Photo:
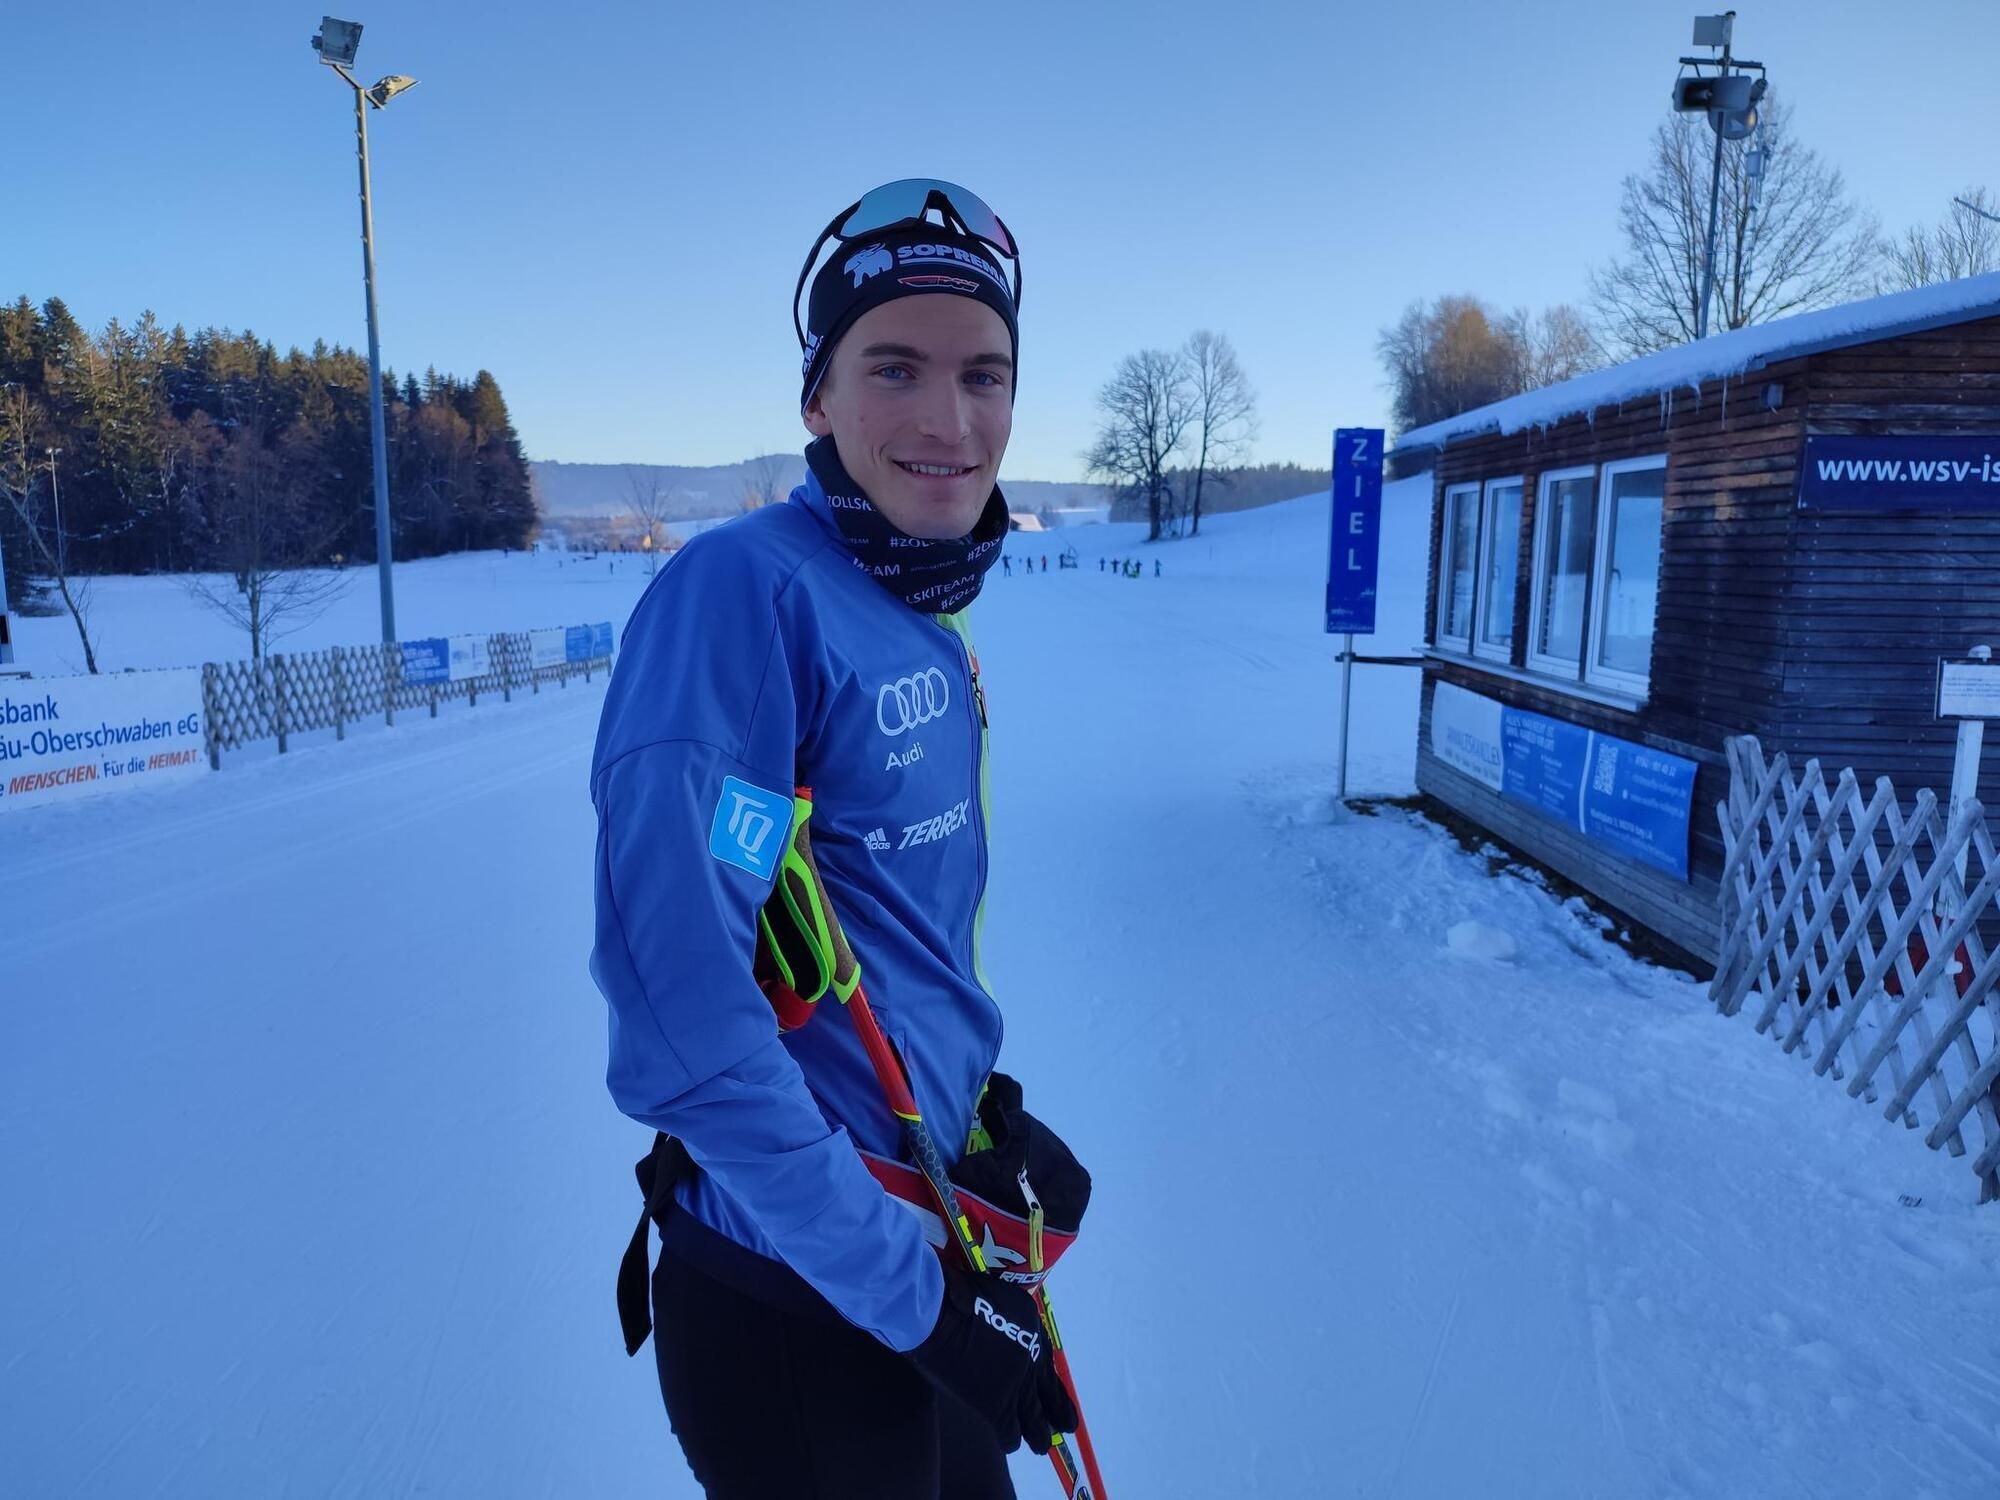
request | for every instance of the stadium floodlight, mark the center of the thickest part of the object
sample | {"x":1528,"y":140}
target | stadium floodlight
{"x":389,"y":88}
{"x":1714,"y":31}
{"x":337,"y":42}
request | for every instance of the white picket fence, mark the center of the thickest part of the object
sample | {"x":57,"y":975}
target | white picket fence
{"x":1851,"y":934}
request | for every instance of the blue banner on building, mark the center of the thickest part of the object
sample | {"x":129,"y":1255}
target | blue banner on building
{"x":427,"y":661}
{"x":1628,"y":797}
{"x":1356,"y":542}
{"x":1900,"y":473}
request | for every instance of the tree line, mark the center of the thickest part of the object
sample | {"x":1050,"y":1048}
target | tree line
{"x":143,"y":449}
{"x":1790,"y":238}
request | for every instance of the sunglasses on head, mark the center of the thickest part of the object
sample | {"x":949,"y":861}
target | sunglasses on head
{"x":903,"y":202}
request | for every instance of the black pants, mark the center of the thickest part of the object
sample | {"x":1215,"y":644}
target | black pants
{"x":775,"y":1404}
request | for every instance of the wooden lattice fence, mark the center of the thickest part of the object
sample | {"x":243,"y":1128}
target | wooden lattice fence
{"x":293,"y":692}
{"x":1851,"y":930}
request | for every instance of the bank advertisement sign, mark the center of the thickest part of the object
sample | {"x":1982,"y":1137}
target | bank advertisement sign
{"x":1631,"y":798}
{"x":1900,"y":473}
{"x":63,"y":737}
{"x":427,"y":662}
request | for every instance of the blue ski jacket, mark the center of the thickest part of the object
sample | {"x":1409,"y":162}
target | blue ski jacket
{"x":763,"y":657}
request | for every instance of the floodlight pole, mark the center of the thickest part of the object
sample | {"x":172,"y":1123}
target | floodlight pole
{"x":377,"y":426}
{"x":1714,"y":199}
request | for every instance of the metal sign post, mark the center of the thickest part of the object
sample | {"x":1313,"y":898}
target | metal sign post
{"x":1969,"y":691}
{"x":6,"y":623}
{"x":1353,"y":558}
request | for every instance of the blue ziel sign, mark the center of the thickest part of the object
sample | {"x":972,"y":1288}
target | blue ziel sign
{"x":1356,"y":542}
{"x":1628,"y":797}
{"x":427,"y":661}
{"x":1900,"y":473}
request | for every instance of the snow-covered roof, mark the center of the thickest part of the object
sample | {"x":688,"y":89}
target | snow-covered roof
{"x":1725,"y":355}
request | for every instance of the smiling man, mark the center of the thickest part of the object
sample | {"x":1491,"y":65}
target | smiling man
{"x":808,"y":1339}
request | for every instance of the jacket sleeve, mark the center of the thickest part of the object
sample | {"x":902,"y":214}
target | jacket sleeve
{"x":707,"y":689}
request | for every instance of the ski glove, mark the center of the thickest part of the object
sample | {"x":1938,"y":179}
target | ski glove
{"x":989,"y":1349}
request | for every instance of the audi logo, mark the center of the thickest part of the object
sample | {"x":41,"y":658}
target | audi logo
{"x":902,"y":705}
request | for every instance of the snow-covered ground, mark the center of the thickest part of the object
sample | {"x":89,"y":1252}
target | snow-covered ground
{"x":1408,"y":1183}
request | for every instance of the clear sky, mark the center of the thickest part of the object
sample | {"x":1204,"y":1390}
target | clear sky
{"x":606,"y":202}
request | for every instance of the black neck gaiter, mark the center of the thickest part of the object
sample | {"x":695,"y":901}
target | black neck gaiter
{"x":935,"y":578}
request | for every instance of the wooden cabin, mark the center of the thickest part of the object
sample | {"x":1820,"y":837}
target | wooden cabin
{"x":1777,"y":531}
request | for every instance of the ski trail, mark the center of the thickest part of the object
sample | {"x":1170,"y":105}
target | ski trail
{"x":1423,"y":1405}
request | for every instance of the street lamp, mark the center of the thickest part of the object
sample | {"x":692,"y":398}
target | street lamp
{"x":1730,"y":100}
{"x":336,"y":45}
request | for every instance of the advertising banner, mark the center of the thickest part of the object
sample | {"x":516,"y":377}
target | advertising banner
{"x":601,"y":643}
{"x":69,"y":736}
{"x":548,"y":648}
{"x":1900,"y":473}
{"x":469,"y":657}
{"x":1625,"y":796}
{"x":427,"y":662}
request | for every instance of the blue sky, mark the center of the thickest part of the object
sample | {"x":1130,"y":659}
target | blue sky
{"x":606,"y":203}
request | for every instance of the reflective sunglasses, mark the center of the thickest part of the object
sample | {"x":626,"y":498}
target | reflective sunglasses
{"x":905,"y":201}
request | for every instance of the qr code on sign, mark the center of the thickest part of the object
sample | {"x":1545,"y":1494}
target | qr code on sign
{"x":1607,"y":768}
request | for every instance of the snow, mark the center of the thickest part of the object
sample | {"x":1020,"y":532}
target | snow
{"x":1723,"y":355}
{"x":313,"y":1187}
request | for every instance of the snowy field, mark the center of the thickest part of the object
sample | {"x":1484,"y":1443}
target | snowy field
{"x":312,"y":1187}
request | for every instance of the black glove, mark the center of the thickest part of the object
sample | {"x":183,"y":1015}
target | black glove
{"x":989,"y":1349}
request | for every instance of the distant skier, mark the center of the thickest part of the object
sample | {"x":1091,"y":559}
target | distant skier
{"x":1045,"y":562}
{"x":809,"y":1340}
{"x":1100,"y":565}
{"x":1006,"y":566}
{"x":1156,"y":567}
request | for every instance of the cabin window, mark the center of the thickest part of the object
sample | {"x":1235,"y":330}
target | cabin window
{"x":1631,"y":506}
{"x":1499,"y":564}
{"x":1455,"y":571}
{"x":1564,"y":523}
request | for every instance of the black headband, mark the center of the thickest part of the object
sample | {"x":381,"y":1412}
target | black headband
{"x":904,"y":260}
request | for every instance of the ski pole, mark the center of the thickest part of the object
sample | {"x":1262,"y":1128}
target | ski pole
{"x":844,"y":975}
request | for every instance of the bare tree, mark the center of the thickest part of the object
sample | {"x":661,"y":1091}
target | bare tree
{"x":1804,"y":244}
{"x":763,"y":478}
{"x":1554,"y":346}
{"x":1225,"y":411}
{"x":29,"y":480}
{"x":267,"y":535}
{"x":1963,"y":243}
{"x":1448,"y":357}
{"x":1147,"y":407}
{"x":646,"y":498}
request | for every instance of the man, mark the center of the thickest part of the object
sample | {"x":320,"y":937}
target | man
{"x":809,"y":1340}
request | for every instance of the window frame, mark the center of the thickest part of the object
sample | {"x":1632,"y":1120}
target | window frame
{"x":1639,"y":685}
{"x":1480,"y":648}
{"x":1453,"y":493}
{"x":1557,"y":666}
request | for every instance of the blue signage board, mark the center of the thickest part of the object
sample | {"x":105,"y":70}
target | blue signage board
{"x":577,"y":643}
{"x":1542,"y":762}
{"x":1630,"y":798}
{"x":1636,"y":800}
{"x":427,"y":661}
{"x":1900,"y":473}
{"x":600,"y":643}
{"x":1356,"y":543}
